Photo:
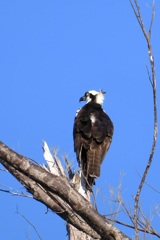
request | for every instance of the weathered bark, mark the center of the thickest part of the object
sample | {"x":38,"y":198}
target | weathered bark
{"x":51,"y":201}
{"x":75,"y":234}
{"x":54,"y":166}
{"x":58,"y":194}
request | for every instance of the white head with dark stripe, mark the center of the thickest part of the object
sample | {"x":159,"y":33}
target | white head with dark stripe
{"x":93,"y":96}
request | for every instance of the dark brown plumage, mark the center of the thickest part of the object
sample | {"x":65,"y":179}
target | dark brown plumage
{"x":92,"y":134}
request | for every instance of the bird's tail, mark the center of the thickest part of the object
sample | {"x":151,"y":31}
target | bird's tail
{"x":91,"y":170}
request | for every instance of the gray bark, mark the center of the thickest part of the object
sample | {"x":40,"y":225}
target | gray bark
{"x":59,"y":195}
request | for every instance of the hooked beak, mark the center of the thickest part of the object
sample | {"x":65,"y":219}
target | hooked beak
{"x":82,"y":99}
{"x":103,"y":92}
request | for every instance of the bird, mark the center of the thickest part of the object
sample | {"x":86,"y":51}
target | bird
{"x":92,"y":135}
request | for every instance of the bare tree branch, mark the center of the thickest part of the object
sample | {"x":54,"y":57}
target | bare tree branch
{"x":50,"y":200}
{"x":67,"y":200}
{"x":152,"y":79}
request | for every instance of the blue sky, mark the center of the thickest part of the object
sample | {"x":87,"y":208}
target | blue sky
{"x":51,"y":52}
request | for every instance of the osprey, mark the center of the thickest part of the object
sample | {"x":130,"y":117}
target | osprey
{"x":92,"y":135}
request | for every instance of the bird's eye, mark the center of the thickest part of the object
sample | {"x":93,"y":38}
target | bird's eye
{"x":87,"y":94}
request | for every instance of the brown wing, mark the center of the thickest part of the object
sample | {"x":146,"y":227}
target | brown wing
{"x":92,"y":139}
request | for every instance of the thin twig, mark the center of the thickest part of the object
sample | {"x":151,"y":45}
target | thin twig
{"x":68,"y":167}
{"x":152,"y":19}
{"x":153,"y":232}
{"x":35,"y":229}
{"x":4,"y":170}
{"x":149,"y":185}
{"x":149,"y":76}
{"x":14,"y":192}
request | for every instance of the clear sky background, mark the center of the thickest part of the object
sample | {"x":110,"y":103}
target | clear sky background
{"x":51,"y":52}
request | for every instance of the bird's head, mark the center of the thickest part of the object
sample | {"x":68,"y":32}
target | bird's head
{"x":93,"y":96}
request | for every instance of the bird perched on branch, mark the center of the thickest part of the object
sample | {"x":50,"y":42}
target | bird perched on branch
{"x":92,"y":135}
